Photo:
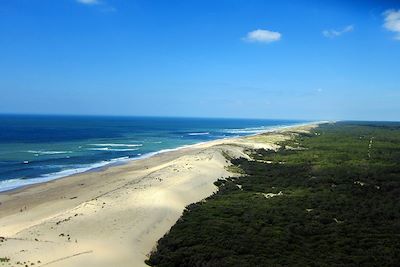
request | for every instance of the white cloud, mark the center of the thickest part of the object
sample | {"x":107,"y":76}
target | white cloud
{"x":102,"y":5}
{"x":392,"y":22}
{"x":88,"y":2}
{"x":337,"y":33}
{"x":262,"y":36}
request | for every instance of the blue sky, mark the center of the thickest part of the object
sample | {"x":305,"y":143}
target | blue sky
{"x":205,"y":58}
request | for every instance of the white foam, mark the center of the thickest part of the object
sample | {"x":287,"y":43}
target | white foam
{"x":118,"y":145}
{"x":264,"y":129}
{"x":205,"y":133}
{"x":16,"y":183}
{"x":113,"y":149}
{"x":41,"y":152}
{"x":251,"y":130}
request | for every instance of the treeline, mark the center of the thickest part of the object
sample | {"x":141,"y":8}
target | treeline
{"x":331,"y":201}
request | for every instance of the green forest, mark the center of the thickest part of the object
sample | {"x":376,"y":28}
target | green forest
{"x":330,"y":197}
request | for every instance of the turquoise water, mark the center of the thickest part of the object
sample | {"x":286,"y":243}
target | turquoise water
{"x":36,"y":149}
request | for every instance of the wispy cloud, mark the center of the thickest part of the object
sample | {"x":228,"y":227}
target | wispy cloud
{"x":262,"y":36}
{"x":88,"y":2}
{"x":337,"y":33}
{"x":392,"y":22}
{"x":103,"y":6}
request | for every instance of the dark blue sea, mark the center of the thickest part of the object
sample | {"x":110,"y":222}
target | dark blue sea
{"x":36,"y":149}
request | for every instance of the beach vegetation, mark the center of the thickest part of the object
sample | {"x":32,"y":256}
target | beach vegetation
{"x":334,"y":202}
{"x":4,"y":259}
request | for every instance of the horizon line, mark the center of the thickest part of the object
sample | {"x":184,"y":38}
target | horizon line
{"x":185,"y":117}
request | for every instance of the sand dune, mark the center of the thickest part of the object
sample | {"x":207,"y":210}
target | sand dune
{"x":115,"y":216}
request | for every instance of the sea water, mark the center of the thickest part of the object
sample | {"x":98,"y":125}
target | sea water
{"x":35,"y":149}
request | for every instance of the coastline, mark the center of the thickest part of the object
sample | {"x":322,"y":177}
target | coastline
{"x":115,"y":216}
{"x":101,"y":165}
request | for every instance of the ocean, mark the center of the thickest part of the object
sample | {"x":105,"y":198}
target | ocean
{"x":35,"y":149}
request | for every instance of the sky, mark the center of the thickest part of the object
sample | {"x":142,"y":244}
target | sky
{"x":289,"y":59}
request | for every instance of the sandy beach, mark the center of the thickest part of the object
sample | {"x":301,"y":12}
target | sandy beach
{"x":114,"y":217}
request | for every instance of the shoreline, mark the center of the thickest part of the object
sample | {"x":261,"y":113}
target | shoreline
{"x":115,"y":216}
{"x":102,"y":165}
